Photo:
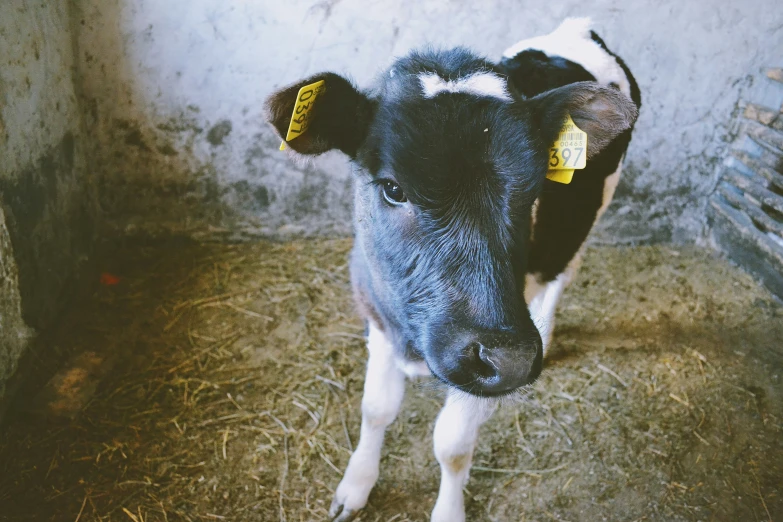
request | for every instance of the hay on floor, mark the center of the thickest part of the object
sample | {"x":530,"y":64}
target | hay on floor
{"x":236,"y":394}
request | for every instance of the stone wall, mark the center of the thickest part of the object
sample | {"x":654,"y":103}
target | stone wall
{"x":746,"y":210}
{"x":15,"y":335}
{"x":47,"y":200}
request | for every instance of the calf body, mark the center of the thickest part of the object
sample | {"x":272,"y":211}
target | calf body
{"x":565,"y":214}
{"x":463,"y":247}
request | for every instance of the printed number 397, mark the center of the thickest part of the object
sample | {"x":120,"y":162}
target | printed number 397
{"x":566,"y":154}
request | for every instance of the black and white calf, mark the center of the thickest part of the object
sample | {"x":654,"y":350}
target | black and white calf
{"x":462,"y":246}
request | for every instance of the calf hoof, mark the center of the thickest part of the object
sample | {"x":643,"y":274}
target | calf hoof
{"x":339,"y":513}
{"x":350,"y":497}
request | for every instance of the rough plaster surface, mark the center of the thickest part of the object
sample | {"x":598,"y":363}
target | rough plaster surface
{"x":175,"y":90}
{"x":14,"y":333}
{"x":46,"y":205}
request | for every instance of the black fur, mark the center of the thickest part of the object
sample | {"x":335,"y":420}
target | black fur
{"x":566,"y":213}
{"x":471,"y":167}
{"x":443,"y":274}
{"x":636,"y":94}
{"x":339,"y":117}
{"x":533,"y":72}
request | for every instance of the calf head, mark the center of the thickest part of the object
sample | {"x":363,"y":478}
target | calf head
{"x":448,"y":162}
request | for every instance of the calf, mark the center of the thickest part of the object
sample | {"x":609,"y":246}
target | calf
{"x":462,"y":246}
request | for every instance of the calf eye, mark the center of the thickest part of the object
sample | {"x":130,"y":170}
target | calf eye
{"x":393,"y":193}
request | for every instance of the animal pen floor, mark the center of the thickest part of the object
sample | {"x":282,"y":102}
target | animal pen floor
{"x":233,"y":378}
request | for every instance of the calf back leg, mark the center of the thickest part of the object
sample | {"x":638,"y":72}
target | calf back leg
{"x":456,"y":433}
{"x":384,"y":387}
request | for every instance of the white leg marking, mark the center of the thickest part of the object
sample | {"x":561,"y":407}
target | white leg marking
{"x":532,"y":289}
{"x":456,"y":432}
{"x":384,"y":387}
{"x":542,"y":307}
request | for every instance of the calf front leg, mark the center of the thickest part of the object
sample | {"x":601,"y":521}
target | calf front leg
{"x":456,"y":433}
{"x":543,"y":305}
{"x":384,"y":387}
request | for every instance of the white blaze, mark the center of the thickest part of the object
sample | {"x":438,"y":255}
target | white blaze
{"x":480,"y":84}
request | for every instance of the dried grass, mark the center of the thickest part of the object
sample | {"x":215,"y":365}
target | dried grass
{"x":241,"y":366}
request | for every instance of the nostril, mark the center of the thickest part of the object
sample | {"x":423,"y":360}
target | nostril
{"x":485,"y":367}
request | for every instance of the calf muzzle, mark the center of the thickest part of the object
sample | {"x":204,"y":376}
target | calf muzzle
{"x":490,"y":363}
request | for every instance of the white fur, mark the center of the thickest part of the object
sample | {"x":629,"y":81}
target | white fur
{"x":571,"y":40}
{"x":532,"y":289}
{"x":480,"y":84}
{"x":384,"y":387}
{"x":413,"y":369}
{"x":610,"y":184}
{"x":454,"y":439}
{"x":543,"y":304}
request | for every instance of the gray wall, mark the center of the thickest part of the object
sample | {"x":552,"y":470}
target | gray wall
{"x":175,"y":91}
{"x":46,"y":206}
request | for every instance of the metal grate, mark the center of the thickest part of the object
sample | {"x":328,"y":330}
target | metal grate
{"x":746,"y":210}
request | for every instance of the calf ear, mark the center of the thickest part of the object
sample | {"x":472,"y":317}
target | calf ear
{"x":601,"y":112}
{"x":338,"y":118}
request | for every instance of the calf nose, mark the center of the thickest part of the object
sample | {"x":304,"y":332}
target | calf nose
{"x":497,"y":364}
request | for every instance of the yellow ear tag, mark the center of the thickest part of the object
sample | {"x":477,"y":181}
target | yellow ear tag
{"x":568,"y":153}
{"x":300,"y":119}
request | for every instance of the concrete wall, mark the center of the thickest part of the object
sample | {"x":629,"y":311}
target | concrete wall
{"x":46,"y":206}
{"x":175,"y":90}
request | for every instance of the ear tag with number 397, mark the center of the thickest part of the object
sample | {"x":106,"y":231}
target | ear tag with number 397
{"x":300,"y":119}
{"x":568,"y":153}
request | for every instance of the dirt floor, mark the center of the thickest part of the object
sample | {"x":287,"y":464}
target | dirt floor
{"x":232,"y":377}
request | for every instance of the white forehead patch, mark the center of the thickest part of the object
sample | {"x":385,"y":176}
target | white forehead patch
{"x":480,"y":84}
{"x":572,"y":41}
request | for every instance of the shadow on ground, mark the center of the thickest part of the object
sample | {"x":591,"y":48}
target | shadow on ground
{"x":231,"y":380}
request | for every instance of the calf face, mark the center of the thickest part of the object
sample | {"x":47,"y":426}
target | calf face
{"x":449,"y":158}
